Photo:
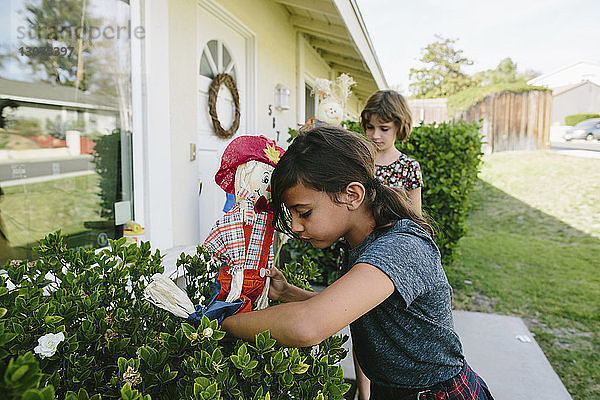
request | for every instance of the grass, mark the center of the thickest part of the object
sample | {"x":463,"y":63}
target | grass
{"x":533,"y":252}
{"x":31,"y":211}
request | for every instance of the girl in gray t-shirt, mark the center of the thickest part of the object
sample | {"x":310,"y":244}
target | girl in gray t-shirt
{"x":393,"y":293}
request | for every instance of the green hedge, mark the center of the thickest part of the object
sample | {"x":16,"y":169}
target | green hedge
{"x":574,"y":119}
{"x":450,"y":157}
{"x":118,"y":346}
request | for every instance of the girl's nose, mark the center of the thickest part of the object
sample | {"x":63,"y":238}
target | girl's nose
{"x":296,"y":226}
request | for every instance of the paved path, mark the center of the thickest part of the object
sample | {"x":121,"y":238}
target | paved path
{"x":502,"y":350}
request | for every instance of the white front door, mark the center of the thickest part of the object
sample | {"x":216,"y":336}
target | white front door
{"x":222,"y":50}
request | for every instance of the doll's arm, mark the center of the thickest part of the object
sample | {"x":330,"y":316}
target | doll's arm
{"x":308,"y":322}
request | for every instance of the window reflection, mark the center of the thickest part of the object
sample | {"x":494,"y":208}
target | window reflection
{"x":65,"y":121}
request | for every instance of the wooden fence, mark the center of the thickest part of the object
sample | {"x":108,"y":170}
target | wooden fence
{"x":428,"y":110}
{"x":513,"y":121}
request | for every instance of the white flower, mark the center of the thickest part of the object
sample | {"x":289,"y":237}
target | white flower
{"x":207,"y":332}
{"x":132,"y":376}
{"x":48,"y":343}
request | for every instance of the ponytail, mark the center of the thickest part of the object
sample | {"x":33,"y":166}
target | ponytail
{"x":389,"y":205}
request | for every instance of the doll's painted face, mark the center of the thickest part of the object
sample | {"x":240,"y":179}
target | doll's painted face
{"x":256,"y":177}
{"x":330,"y":112}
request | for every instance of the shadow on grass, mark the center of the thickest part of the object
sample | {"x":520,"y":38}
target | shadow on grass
{"x":517,"y":260}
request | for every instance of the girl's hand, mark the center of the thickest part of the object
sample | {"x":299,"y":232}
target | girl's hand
{"x":279,"y":285}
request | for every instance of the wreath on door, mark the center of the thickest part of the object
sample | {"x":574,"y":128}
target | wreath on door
{"x":213,"y":92}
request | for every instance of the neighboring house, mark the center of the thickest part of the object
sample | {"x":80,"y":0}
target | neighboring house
{"x":266,"y":45}
{"x":583,"y":97}
{"x":574,"y":87}
{"x":575,"y":73}
{"x":42,"y":102}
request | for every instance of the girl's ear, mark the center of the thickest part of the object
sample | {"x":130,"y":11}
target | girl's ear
{"x":354,"y":195}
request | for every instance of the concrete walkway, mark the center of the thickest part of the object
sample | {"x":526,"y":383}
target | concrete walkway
{"x":502,"y":351}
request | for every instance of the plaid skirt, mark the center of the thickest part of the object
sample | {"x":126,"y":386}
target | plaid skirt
{"x":467,"y":385}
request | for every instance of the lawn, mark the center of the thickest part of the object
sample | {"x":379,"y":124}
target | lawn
{"x":533,"y":251}
{"x":31,"y":211}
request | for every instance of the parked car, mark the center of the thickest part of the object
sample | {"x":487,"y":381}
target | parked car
{"x":588,"y":129}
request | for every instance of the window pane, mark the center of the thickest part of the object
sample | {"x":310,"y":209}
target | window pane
{"x":205,"y":68}
{"x":212,"y":47}
{"x":226,"y":58}
{"x":309,"y":103}
{"x":65,"y":131}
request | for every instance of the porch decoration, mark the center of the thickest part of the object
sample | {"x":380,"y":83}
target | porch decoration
{"x":332,"y":97}
{"x":213,"y":92}
{"x":241,"y":240}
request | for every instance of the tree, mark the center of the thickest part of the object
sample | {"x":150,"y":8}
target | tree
{"x":505,"y":72}
{"x":6,"y":103}
{"x":61,"y":24}
{"x":443,"y":75}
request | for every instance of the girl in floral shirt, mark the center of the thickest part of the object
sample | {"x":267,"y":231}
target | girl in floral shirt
{"x":385,"y":119}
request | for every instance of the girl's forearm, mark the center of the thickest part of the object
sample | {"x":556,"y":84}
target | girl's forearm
{"x":286,"y":323}
{"x":294,"y":293}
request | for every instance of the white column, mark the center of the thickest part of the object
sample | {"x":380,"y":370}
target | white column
{"x":158,"y":169}
{"x":300,"y":112}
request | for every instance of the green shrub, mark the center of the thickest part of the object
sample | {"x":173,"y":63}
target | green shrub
{"x":117,"y":345}
{"x":574,"y":119}
{"x":328,"y":260}
{"x":107,"y":161}
{"x":450,"y":158}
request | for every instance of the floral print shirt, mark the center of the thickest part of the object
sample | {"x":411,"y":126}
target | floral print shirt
{"x":405,"y":172}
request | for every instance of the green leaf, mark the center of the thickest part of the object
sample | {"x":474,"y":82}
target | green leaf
{"x":122,"y":363}
{"x":18,"y":373}
{"x":53,"y":319}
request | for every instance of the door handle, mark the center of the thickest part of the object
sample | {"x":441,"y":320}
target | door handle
{"x":200,"y":188}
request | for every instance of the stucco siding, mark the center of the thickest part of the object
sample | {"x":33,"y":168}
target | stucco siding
{"x":275,"y":59}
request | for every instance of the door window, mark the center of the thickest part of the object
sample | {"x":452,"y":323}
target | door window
{"x":216,"y":59}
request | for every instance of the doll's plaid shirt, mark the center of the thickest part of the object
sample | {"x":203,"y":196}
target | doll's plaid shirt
{"x":226,"y":239}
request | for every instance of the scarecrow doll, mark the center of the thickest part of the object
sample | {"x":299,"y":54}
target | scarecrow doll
{"x":241,"y":240}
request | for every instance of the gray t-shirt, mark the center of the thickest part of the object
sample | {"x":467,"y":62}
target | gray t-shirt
{"x":409,"y":339}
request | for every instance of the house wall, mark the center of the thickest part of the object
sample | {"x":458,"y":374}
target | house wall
{"x":582,"y":99}
{"x":95,"y":120}
{"x":167,"y":200}
{"x":275,"y":61}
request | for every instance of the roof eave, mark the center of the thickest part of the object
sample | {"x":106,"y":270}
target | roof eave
{"x":355,"y":24}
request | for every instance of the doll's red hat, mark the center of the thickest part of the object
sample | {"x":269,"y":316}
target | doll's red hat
{"x":241,"y":150}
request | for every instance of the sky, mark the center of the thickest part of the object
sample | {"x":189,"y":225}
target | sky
{"x":541,"y":35}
